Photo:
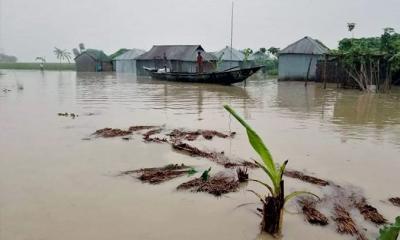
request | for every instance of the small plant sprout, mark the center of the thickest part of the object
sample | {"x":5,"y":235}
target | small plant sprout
{"x":275,"y":200}
{"x":205,"y":175}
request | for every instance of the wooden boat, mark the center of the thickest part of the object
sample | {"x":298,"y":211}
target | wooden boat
{"x":226,"y":77}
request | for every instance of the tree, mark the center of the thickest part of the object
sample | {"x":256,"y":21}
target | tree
{"x":263,"y":50}
{"x":62,"y":55}
{"x":42,"y":61}
{"x":247,"y":52}
{"x":273,"y":51}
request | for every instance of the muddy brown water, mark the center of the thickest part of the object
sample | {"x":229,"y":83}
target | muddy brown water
{"x":54,"y":185}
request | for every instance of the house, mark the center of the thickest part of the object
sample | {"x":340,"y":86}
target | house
{"x":93,"y":60}
{"x":228,"y":58}
{"x":126,"y":62}
{"x":178,"y":58}
{"x":298,"y":61}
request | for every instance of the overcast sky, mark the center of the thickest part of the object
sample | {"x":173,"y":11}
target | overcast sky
{"x":31,"y":28}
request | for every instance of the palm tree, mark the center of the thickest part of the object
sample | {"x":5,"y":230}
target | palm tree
{"x":62,"y":55}
{"x":42,"y":62}
{"x":350,"y":27}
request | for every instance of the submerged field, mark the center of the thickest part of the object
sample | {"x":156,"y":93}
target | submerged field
{"x":58,"y":181}
{"x":36,"y":66}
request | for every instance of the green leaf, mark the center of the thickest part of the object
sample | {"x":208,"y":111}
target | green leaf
{"x":259,"y":146}
{"x":297,"y":193}
{"x":282,"y":168}
{"x":264,"y":184}
{"x":258,"y":195}
{"x":390,"y":232}
{"x":276,"y":187}
{"x":205,"y":175}
{"x":192,"y":171}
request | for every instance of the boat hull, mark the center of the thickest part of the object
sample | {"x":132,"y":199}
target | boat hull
{"x":223,"y":78}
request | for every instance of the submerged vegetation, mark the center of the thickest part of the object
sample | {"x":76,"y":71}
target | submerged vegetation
{"x":273,"y":203}
{"x":50,"y":66}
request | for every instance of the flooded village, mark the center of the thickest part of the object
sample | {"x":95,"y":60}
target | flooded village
{"x":182,"y":138}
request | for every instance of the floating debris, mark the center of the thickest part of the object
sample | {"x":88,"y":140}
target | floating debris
{"x":147,"y":136}
{"x":216,"y":157}
{"x":243,"y":163}
{"x":242,"y":174}
{"x":369,"y":212}
{"x":305,"y":178}
{"x":395,"y":201}
{"x":111,"y":132}
{"x":178,"y":135}
{"x":192,"y":151}
{"x":6,"y":90}
{"x":345,"y":223}
{"x":72,"y":115}
{"x":311,"y":214}
{"x":159,"y":175}
{"x":139,"y":128}
{"x":210,"y":134}
{"x":215,"y":185}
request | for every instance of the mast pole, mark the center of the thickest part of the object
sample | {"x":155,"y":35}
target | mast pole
{"x":231,"y":32}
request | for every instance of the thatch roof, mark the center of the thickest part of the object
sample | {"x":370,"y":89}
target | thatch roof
{"x":176,"y":52}
{"x":306,"y":45}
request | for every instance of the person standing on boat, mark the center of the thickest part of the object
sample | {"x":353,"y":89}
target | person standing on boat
{"x":165,"y":60}
{"x":199,"y":62}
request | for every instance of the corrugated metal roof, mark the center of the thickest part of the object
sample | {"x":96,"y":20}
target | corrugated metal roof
{"x":306,"y":45}
{"x":176,"y":52}
{"x":130,"y":55}
{"x":96,"y":55}
{"x":226,"y":54}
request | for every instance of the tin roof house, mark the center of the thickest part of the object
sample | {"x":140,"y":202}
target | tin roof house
{"x":228,"y":58}
{"x":178,"y":58}
{"x":126,"y":62}
{"x":298,"y":61}
{"x":93,"y":60}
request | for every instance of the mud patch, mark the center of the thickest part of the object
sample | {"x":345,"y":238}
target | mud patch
{"x":159,"y":175}
{"x":215,"y":185}
{"x":395,"y":201}
{"x":305,"y":178}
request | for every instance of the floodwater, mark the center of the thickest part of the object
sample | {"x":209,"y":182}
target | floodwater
{"x":54,"y":185}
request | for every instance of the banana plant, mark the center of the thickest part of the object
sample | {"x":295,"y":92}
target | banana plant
{"x":275,"y":201}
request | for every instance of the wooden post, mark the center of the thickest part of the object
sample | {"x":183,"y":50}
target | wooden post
{"x":325,"y":71}
{"x":379,"y":75}
{"x":308,"y":72}
{"x":336,"y":74}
